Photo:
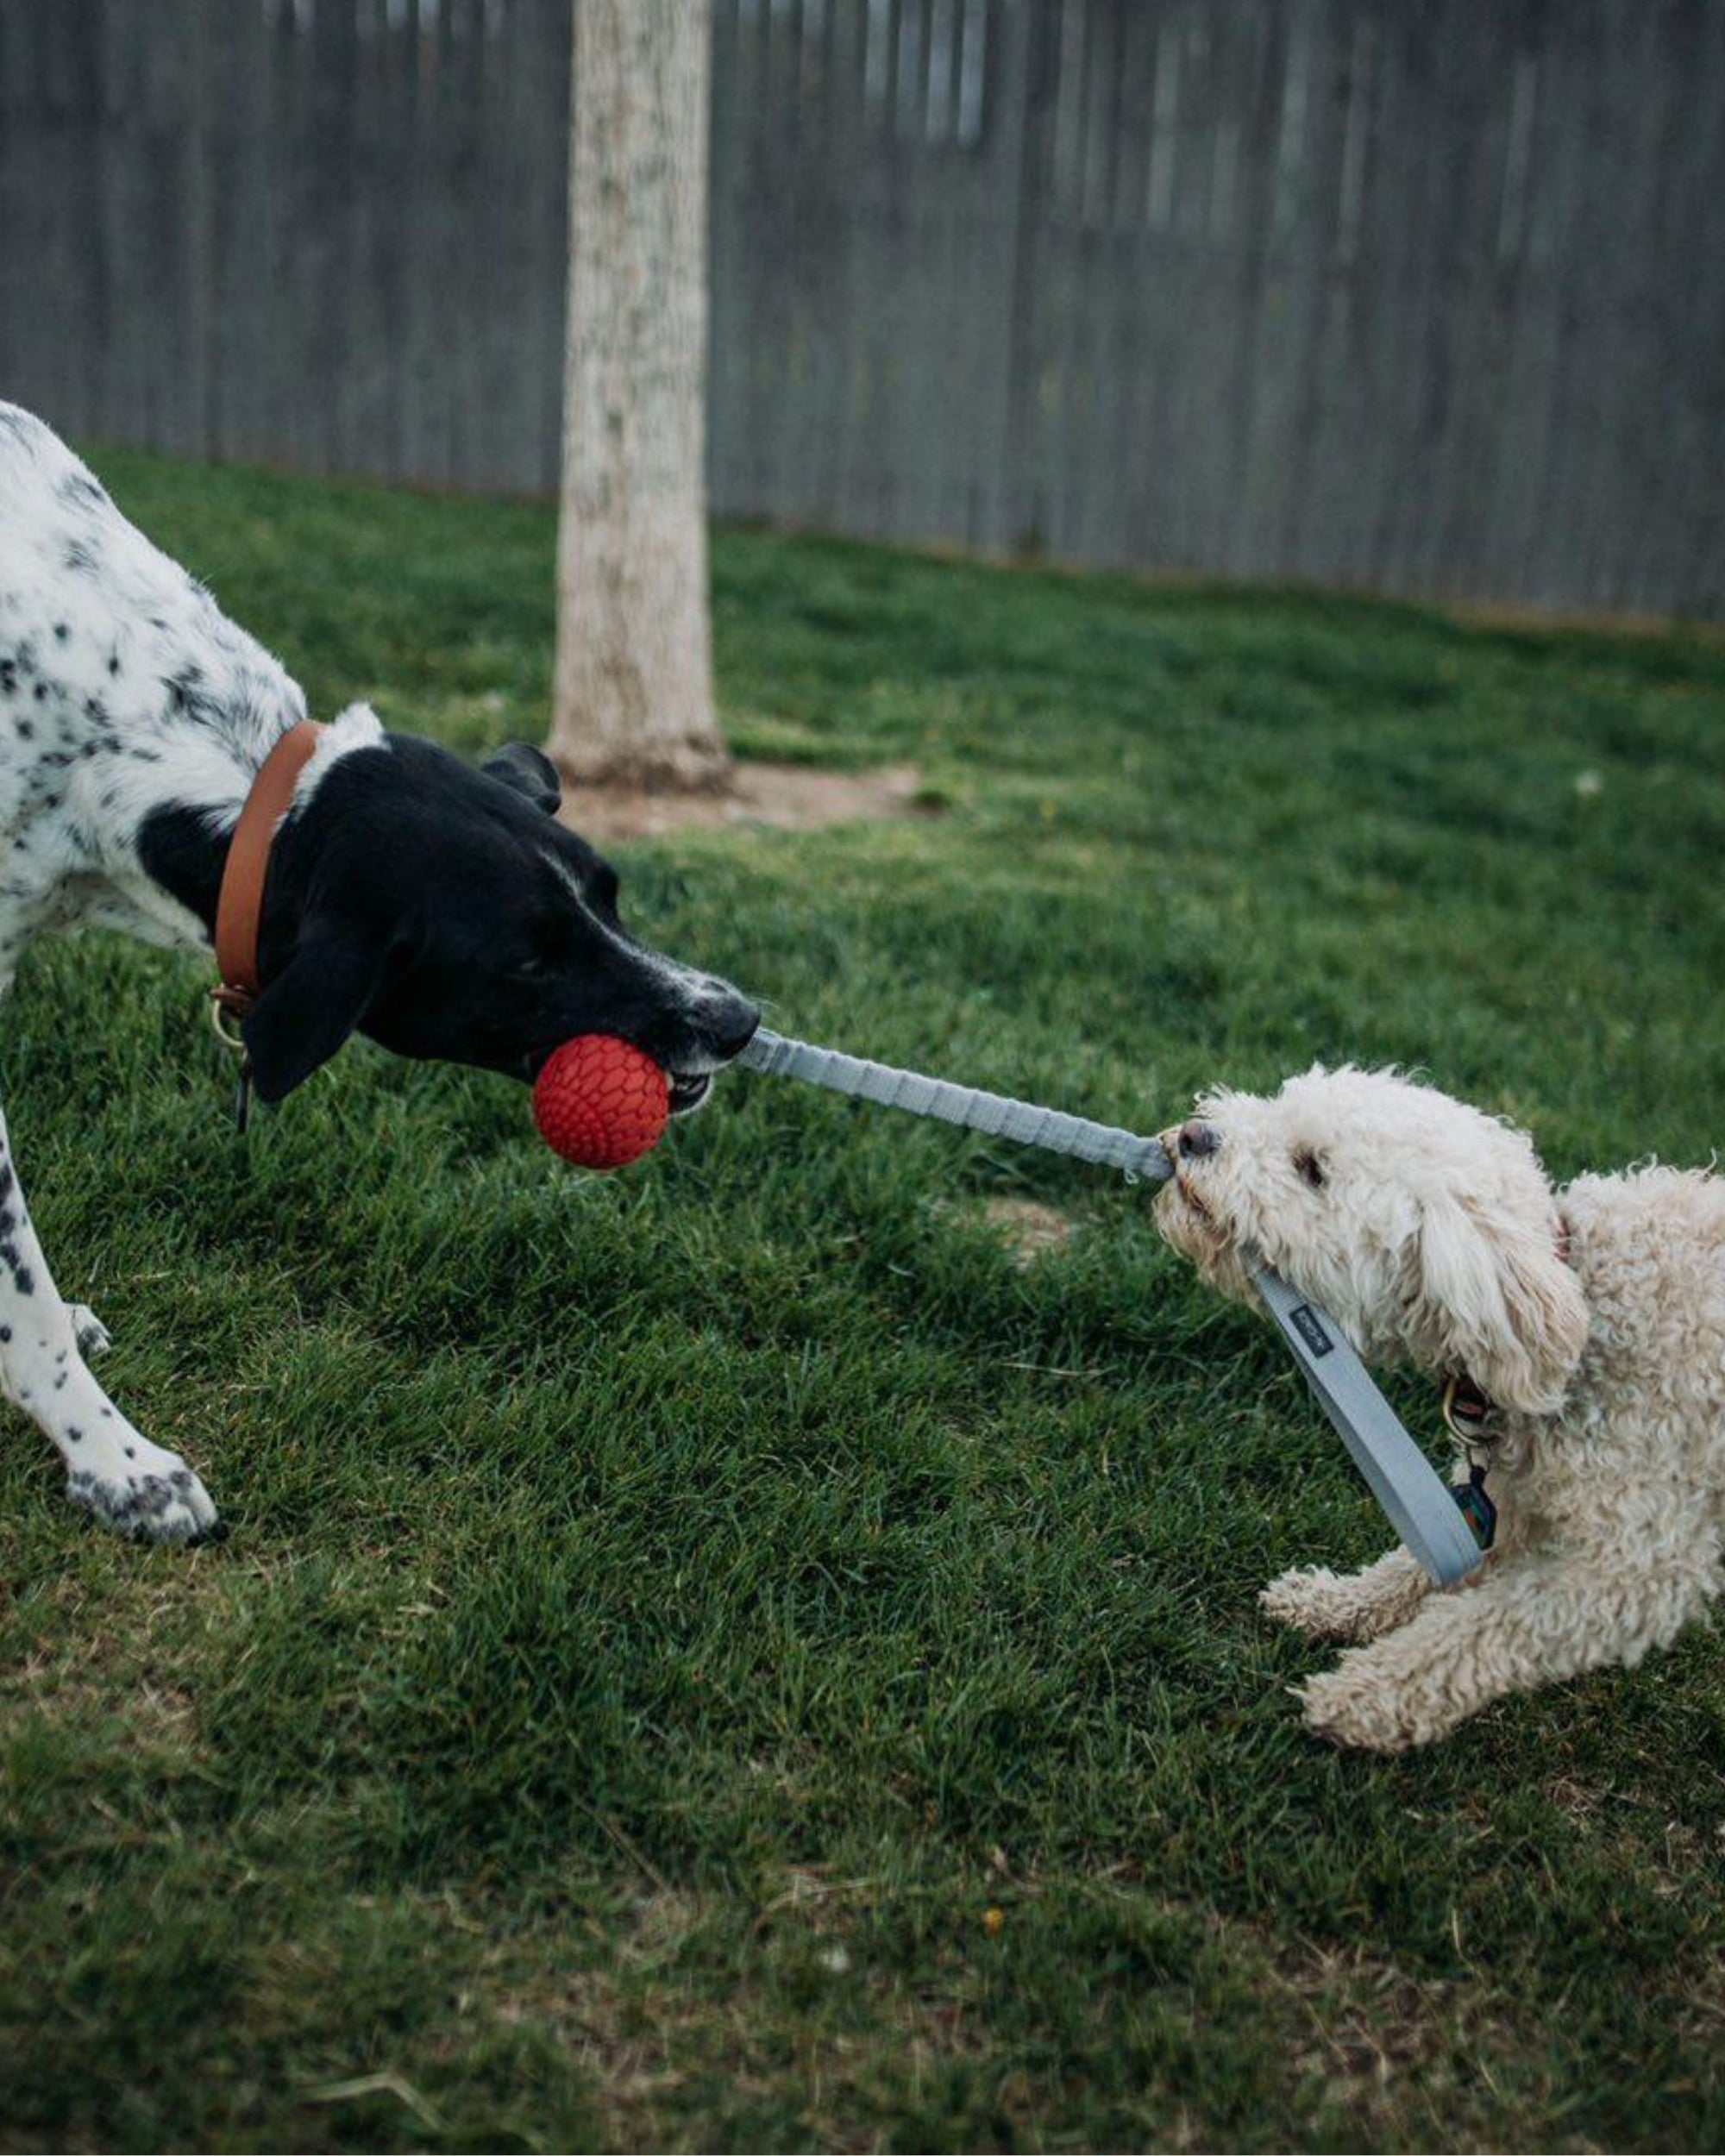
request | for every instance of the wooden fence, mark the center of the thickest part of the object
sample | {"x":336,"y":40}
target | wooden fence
{"x":1423,"y":299}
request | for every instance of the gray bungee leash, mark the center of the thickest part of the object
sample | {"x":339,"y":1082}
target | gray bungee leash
{"x":1418,"y":1503}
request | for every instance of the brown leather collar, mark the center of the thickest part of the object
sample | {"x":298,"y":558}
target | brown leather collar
{"x":239,"y":909}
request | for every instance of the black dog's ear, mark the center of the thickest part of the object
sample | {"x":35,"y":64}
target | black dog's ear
{"x":529,"y":772}
{"x":310,"y":1008}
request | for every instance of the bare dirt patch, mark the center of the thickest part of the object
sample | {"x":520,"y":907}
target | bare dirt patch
{"x":1029,"y":1228}
{"x":776,"y":796}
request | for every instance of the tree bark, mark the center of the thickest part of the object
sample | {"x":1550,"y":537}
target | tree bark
{"x":633,"y":693}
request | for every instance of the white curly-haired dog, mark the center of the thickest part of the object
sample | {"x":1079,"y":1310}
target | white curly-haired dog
{"x":1586,"y":1325}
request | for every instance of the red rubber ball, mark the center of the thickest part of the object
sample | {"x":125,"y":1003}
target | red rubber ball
{"x":600,"y":1102}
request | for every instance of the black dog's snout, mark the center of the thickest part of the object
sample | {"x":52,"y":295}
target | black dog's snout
{"x":735,"y":1026}
{"x":1197,"y":1141}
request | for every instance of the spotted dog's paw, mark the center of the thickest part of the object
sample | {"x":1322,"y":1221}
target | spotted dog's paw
{"x":160,"y":1501}
{"x":93,"y":1337}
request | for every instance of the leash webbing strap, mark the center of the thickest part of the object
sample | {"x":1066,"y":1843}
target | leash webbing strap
{"x":1418,"y":1503}
{"x":989,"y":1113}
{"x":1417,"y":1500}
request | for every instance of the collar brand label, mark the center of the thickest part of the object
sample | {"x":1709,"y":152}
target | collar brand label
{"x":1307,"y":1323}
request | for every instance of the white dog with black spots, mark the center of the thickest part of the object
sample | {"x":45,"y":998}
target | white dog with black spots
{"x":440,"y":909}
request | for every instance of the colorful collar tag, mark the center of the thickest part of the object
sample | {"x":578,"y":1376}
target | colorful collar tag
{"x":1475,"y":1508}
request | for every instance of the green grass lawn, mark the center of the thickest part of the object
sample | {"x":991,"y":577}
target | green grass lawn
{"x":723,"y":1656}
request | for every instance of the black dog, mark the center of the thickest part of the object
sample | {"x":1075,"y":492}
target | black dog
{"x":438,"y":909}
{"x":442,"y":911}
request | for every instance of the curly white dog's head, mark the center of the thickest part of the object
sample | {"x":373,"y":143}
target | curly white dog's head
{"x":1426,"y":1228}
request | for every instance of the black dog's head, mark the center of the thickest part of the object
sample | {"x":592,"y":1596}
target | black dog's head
{"x":441,"y":911}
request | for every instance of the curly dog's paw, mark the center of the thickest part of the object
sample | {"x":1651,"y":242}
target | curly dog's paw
{"x":1317,"y":1603}
{"x":1342,"y":1711}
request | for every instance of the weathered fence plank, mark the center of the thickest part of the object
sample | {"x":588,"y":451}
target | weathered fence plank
{"x":1425,"y":300}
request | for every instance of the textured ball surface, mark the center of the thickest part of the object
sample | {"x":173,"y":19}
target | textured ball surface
{"x":600,"y":1102}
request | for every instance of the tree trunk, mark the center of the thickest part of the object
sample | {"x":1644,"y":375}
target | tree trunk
{"x":633,"y":696}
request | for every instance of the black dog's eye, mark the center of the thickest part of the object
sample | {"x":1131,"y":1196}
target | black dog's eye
{"x":550,"y":952}
{"x":1310,"y":1166}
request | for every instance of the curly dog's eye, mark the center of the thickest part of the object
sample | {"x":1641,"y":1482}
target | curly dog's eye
{"x":1310,"y":1166}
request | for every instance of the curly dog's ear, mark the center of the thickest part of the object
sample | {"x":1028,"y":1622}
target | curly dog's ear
{"x":1495,"y":1299}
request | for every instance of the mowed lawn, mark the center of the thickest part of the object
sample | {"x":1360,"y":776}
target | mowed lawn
{"x":733,"y":1655}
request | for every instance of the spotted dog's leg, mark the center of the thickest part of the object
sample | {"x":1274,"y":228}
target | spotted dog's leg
{"x":112,"y":1470}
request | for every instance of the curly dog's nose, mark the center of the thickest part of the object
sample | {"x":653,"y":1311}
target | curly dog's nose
{"x":1197,"y":1141}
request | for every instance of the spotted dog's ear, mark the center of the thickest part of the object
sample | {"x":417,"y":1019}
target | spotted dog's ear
{"x":311,"y":1007}
{"x":529,"y":772}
